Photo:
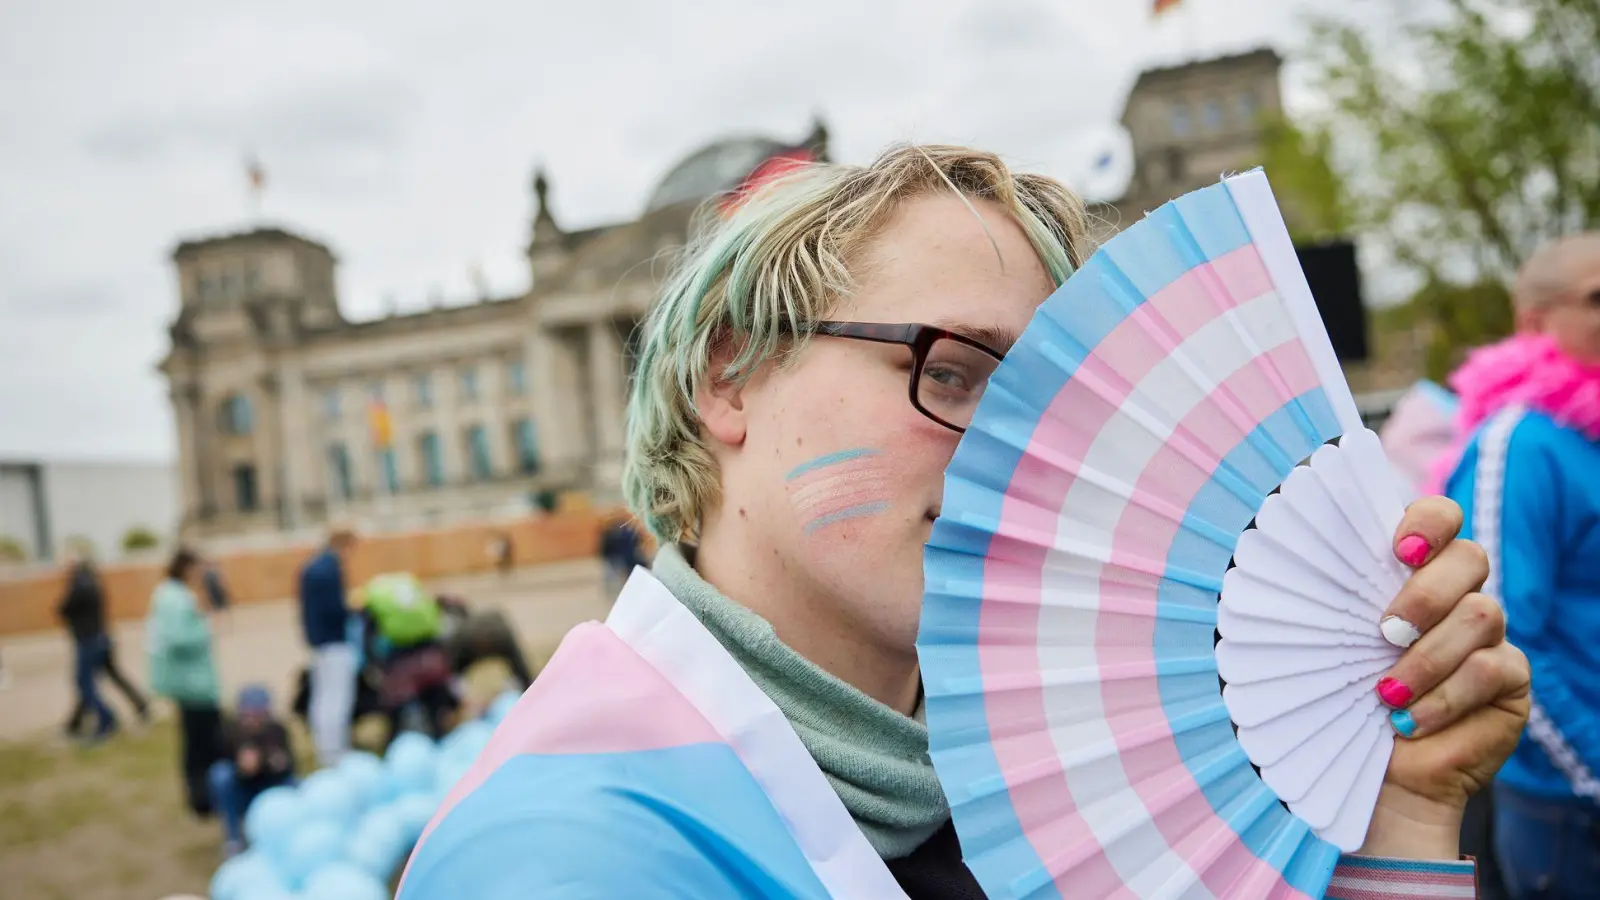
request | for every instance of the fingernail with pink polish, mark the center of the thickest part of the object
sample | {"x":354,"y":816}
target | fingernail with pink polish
{"x":1393,"y":692}
{"x":1399,"y":632}
{"x":1412,"y":549}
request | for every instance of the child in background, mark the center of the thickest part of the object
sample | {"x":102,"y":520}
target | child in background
{"x":258,"y":758}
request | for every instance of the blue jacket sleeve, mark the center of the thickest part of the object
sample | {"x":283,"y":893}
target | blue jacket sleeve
{"x":1524,"y":556}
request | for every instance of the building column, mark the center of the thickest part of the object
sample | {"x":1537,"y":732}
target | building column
{"x":184,"y":399}
{"x":203,"y":420}
{"x":293,"y":442}
{"x":607,"y":380}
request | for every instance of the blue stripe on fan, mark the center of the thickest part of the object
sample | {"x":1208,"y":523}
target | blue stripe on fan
{"x":1152,"y":259}
{"x":1239,"y":797}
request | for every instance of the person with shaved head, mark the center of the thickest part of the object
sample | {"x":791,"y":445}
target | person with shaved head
{"x":1528,"y":480}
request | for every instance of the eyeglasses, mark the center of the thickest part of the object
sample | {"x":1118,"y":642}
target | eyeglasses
{"x":949,"y":371}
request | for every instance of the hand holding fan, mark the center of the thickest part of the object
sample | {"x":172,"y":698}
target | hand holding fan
{"x":1161,"y":401}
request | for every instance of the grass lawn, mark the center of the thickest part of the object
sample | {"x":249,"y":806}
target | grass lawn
{"x":110,"y":823}
{"x":106,"y":823}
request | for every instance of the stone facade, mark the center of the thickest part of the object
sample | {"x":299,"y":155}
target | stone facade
{"x":488,"y":405}
{"x":1194,"y":123}
{"x":493,"y":403}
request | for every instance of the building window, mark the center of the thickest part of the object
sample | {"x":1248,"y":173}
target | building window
{"x":339,"y":470}
{"x":377,"y":390}
{"x":205,"y":288}
{"x":252,"y":278}
{"x":1180,"y":119}
{"x":236,"y":415}
{"x":422,"y":384}
{"x":1249,"y":106}
{"x":517,"y":378}
{"x":388,"y":470}
{"x":526,"y":439}
{"x":1211,"y":113}
{"x":432,"y":456}
{"x":330,"y":404}
{"x":469,"y":383}
{"x":1176,"y":170}
{"x":244,"y":487}
{"x":478,"y":452}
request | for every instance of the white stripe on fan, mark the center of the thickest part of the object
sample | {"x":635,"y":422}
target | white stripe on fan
{"x":1211,"y":353}
{"x":1387,"y":889}
{"x":1487,"y":505}
{"x":1252,"y":194}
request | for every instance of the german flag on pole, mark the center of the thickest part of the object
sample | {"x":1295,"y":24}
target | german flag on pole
{"x":1164,"y":6}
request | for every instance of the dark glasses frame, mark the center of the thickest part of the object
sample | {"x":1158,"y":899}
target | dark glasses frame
{"x":920,"y":338}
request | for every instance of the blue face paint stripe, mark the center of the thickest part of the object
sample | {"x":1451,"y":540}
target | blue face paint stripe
{"x":849,"y":512}
{"x":829,"y":459}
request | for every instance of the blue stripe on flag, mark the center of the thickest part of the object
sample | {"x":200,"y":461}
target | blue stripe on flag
{"x":614,"y":825}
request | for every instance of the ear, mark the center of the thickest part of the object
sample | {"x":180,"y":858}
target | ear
{"x":720,"y":401}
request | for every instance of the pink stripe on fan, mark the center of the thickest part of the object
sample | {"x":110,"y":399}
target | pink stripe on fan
{"x":560,"y":714}
{"x":1224,"y":862}
{"x":1041,"y":796}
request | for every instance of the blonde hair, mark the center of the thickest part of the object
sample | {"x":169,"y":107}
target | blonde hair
{"x":1546,"y":276}
{"x":757,"y":281}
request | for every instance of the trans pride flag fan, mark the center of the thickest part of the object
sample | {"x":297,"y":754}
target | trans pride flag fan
{"x":1159,"y":405}
{"x":645,"y":763}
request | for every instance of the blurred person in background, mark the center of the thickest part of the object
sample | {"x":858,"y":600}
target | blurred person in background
{"x":1529,"y":481}
{"x":403,"y":623}
{"x":621,"y":551}
{"x":257,"y":756}
{"x":327,"y":625}
{"x":749,"y":723}
{"x":216,"y":591}
{"x":83,"y":609}
{"x":178,"y":639}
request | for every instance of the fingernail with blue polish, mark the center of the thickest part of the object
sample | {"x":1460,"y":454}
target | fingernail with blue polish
{"x":1402,"y":722}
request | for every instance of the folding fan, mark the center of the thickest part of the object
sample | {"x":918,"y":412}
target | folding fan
{"x":1176,"y":391}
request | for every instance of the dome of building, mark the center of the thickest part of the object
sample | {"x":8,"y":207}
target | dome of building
{"x":711,"y":170}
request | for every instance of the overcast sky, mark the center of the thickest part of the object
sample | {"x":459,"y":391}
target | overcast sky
{"x":406,"y":141}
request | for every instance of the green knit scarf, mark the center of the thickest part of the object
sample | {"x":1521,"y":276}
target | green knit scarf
{"x":875,"y":758}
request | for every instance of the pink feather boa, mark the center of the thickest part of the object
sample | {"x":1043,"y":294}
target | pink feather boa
{"x":1522,"y":370}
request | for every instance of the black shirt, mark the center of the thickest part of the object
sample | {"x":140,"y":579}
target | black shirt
{"x":934,"y":871}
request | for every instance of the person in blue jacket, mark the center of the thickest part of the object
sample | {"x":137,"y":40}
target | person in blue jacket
{"x":327,"y":624}
{"x":1529,"y":483}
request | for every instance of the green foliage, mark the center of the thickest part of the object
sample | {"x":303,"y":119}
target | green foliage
{"x":11,"y":549}
{"x":139,"y":538}
{"x":1461,"y":143}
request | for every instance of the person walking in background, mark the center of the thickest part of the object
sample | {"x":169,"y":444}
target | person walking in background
{"x":83,"y":609}
{"x":216,"y":591}
{"x":257,"y":757}
{"x":619,"y":548}
{"x":1530,"y":420}
{"x":325,"y":618}
{"x":178,"y":639}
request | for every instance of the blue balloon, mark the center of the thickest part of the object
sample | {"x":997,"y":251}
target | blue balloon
{"x":378,"y":842}
{"x":267,"y":892}
{"x":343,"y":881}
{"x":467,"y":741}
{"x":500,"y":706}
{"x":273,"y":816}
{"x":249,"y":871}
{"x":327,"y":794}
{"x":364,"y":772}
{"x":414,"y":812}
{"x":409,"y":764}
{"x":313,"y":845}
{"x":449,"y":771}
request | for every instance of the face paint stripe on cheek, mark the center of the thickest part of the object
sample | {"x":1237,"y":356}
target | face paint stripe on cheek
{"x":838,"y":486}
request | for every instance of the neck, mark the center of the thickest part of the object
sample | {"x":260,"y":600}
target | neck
{"x":807,"y":618}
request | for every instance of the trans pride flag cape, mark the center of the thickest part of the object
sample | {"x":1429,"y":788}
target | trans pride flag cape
{"x":643,"y":762}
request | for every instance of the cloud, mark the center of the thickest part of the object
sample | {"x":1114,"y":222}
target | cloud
{"x":329,"y":119}
{"x":405,"y":140}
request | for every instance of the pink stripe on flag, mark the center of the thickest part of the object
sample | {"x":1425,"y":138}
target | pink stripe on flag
{"x":568,"y":712}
